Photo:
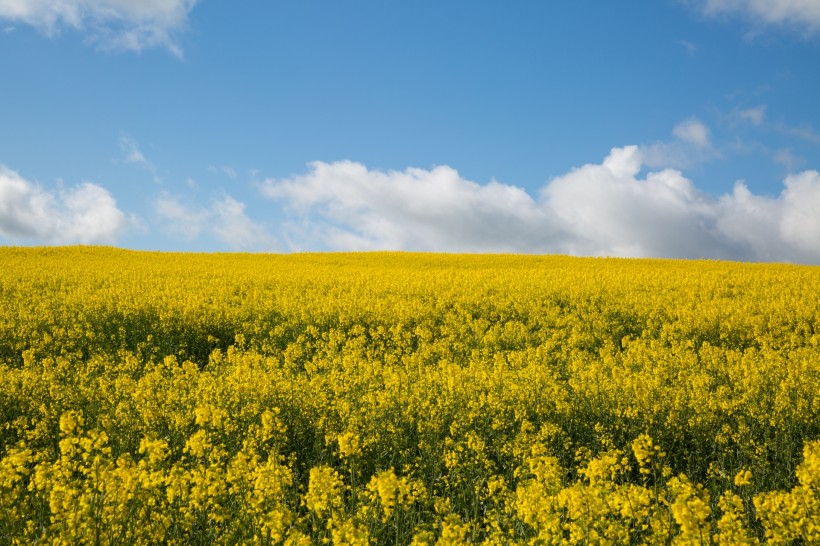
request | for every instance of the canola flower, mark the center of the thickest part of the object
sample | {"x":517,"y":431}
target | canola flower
{"x":391,"y":398}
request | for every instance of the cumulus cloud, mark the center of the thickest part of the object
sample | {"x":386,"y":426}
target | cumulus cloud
{"x":436,"y":209}
{"x":784,"y":228}
{"x":132,"y":25}
{"x":224,"y":219}
{"x":597,"y":209}
{"x":804,"y":14}
{"x":86,"y":213}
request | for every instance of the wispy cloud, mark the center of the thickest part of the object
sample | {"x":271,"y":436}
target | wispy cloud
{"x":757,"y":117}
{"x":132,"y":155}
{"x":787,"y":159}
{"x":596,"y":209}
{"x":130,"y":151}
{"x":803,"y":132}
{"x":754,"y":116}
{"x":118,"y":25}
{"x":86,"y":213}
{"x":690,"y":48}
{"x":183,"y":221}
{"x":800,"y":14}
{"x":232,"y":226}
{"x":691,"y":144}
{"x":224,"y":219}
{"x":225,"y":170}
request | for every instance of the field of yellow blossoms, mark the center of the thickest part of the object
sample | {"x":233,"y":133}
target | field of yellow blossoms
{"x":391,"y":398}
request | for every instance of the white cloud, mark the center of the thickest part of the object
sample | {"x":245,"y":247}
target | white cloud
{"x":597,"y":209}
{"x":692,"y":144}
{"x":804,"y":14}
{"x":86,"y":213}
{"x":224,"y":219}
{"x":226,"y":170}
{"x":131,"y":25}
{"x":755,"y":115}
{"x":608,"y":210}
{"x":694,"y":132}
{"x":132,"y":155}
{"x":360,"y":209}
{"x":787,"y":159}
{"x":803,"y":132}
{"x":130,"y":151}
{"x":782,"y":228}
{"x":691,"y":49}
{"x":183,"y":221}
{"x":234,"y":228}
{"x":800,"y":212}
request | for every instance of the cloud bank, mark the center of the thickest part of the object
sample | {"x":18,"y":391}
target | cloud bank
{"x":131,"y":25}
{"x":85,"y":214}
{"x":598,"y":209}
{"x":804,"y":14}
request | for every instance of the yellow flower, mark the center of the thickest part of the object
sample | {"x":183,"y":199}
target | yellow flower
{"x":349,"y":444}
{"x":325,"y":490}
{"x":744,"y":477}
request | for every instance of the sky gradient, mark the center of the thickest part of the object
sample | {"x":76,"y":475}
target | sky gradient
{"x":674,"y":128}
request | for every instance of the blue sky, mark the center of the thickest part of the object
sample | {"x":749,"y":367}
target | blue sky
{"x":670,"y":128}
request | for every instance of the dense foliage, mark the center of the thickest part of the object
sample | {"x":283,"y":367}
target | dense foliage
{"x":395,"y":398}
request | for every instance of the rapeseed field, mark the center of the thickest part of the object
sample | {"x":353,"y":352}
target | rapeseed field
{"x":391,"y":398}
